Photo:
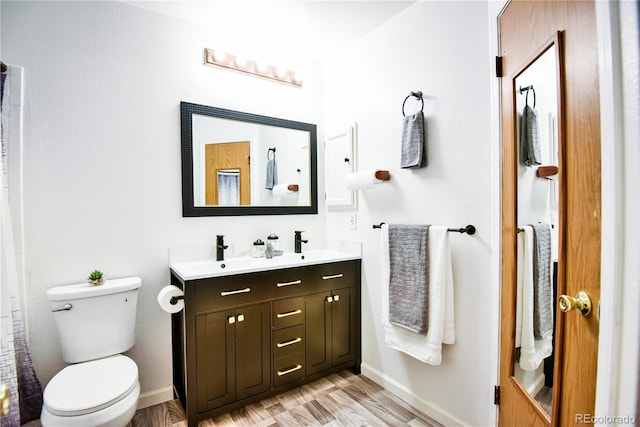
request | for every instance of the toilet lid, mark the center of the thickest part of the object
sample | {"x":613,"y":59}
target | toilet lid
{"x":90,"y":386}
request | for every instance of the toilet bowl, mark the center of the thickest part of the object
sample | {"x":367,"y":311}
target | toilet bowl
{"x":101,"y":392}
{"x":95,"y":324}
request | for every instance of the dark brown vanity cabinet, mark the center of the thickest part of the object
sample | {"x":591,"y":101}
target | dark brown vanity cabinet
{"x":331,"y":317}
{"x":245,"y":337}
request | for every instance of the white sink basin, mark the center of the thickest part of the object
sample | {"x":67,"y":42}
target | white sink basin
{"x":191,"y":270}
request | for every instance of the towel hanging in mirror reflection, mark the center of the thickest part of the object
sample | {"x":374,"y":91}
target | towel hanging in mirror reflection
{"x":272,"y":169}
{"x":529,"y":140}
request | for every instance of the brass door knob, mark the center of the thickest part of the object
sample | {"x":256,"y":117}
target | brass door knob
{"x":581,"y":302}
{"x":4,"y":399}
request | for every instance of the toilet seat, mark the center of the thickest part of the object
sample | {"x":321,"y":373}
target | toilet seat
{"x":88,"y":387}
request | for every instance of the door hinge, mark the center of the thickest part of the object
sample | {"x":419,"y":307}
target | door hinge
{"x":499,"y":66}
{"x":496,"y":395}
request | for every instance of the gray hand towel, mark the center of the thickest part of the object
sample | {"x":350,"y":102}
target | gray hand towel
{"x":413,"y":153}
{"x":542,"y":283}
{"x":529,"y":140}
{"x":409,"y":276}
{"x":272,"y":174}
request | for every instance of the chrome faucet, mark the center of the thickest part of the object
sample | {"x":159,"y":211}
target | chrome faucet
{"x":220,"y":247}
{"x":298,"y":242}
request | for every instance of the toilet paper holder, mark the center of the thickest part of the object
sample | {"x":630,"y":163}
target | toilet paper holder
{"x":174,"y":300}
{"x":382,"y":175}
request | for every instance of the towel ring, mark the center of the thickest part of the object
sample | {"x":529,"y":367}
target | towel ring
{"x":417,"y":95}
{"x":269,"y":152}
{"x":526,"y":98}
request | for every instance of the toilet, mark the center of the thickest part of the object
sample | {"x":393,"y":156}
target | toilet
{"x":95,"y":324}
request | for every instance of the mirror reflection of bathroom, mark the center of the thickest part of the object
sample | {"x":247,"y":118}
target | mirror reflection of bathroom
{"x":222,"y":146}
{"x":537,"y":101}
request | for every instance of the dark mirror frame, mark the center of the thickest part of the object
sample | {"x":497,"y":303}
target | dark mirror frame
{"x":186,"y":124}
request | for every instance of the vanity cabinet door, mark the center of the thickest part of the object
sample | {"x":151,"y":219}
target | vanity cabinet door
{"x":317,"y":332}
{"x":215,"y":359}
{"x":253,"y":350}
{"x":330,"y":329}
{"x":343,"y":328}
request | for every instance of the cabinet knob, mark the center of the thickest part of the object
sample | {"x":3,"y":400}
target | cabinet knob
{"x":231,"y":320}
{"x":240,"y":317}
{"x":329,"y":299}
{"x":336,"y":297}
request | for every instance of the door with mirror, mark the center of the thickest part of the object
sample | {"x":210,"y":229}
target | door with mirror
{"x":550,"y":203}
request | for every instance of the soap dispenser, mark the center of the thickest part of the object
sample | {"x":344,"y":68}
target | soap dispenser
{"x":273,"y":240}
{"x":258,"y":249}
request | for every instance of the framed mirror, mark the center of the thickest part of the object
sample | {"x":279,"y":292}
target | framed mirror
{"x":237,"y":163}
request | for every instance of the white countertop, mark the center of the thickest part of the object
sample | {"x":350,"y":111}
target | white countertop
{"x":202,"y":269}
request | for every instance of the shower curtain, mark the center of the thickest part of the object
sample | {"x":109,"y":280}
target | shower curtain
{"x":16,"y":366}
{"x":229,"y":188}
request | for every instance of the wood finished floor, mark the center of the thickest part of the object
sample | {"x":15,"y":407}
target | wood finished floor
{"x":544,"y":399}
{"x":341,"y":399}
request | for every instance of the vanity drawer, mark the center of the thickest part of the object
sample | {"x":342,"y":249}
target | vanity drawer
{"x":288,"y":369}
{"x":222,"y":292}
{"x":290,"y":282}
{"x":288,"y":341}
{"x":288,"y":312}
{"x":334,"y":276}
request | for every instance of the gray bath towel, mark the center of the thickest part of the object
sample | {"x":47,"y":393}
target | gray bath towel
{"x":272,"y":174}
{"x":542,"y":283}
{"x":529,"y":140}
{"x":414,"y":154}
{"x":409,"y":276}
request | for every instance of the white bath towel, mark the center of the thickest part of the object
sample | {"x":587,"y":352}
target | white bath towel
{"x":426,"y":348}
{"x":532,"y":351}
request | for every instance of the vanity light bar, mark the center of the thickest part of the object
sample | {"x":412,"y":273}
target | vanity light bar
{"x":226,"y":60}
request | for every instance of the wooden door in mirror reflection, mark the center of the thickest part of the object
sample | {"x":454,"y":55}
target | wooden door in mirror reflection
{"x":228,"y":174}
{"x":524,"y":28}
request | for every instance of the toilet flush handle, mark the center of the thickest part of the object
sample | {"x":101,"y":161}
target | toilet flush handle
{"x":65,"y":307}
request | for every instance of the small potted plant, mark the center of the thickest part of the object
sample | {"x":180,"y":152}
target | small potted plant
{"x":96,"y":277}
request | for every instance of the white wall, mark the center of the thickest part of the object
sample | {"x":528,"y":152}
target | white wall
{"x":619,"y":342}
{"x":102,"y":188}
{"x":441,"y":49}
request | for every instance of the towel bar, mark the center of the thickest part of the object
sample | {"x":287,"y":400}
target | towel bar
{"x":469,"y":229}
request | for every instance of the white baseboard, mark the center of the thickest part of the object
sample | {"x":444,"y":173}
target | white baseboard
{"x":408,"y":396}
{"x":537,"y":385}
{"x":155,"y":397}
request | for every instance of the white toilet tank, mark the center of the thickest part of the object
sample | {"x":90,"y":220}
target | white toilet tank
{"x":95,"y":321}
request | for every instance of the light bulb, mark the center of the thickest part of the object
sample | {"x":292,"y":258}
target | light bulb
{"x":241,"y":62}
{"x":219,"y":56}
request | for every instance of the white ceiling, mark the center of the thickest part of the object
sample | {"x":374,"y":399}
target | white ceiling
{"x":312,"y":29}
